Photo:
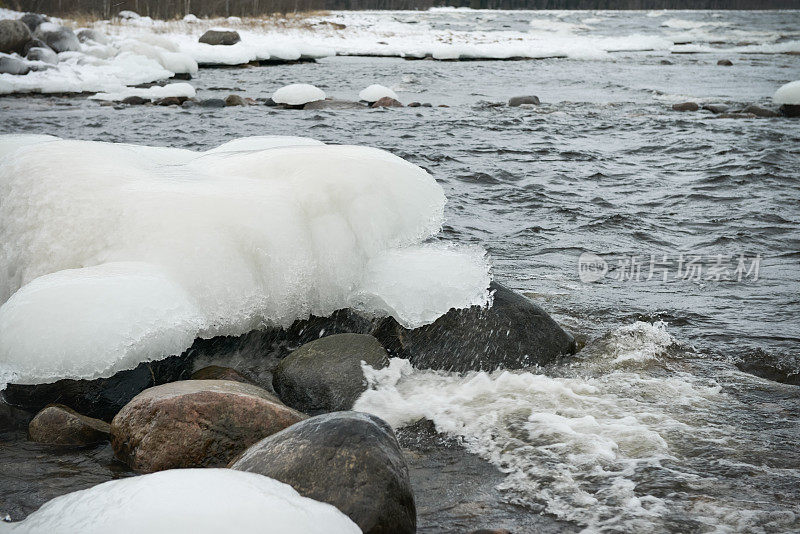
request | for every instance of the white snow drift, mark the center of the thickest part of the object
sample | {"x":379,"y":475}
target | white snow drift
{"x":151,"y":93}
{"x":298,"y":94}
{"x":788,"y":94}
{"x":375,"y":92}
{"x":187,"y":500}
{"x":116,"y":254}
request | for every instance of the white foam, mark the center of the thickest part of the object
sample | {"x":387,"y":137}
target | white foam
{"x":187,"y":500}
{"x":181,"y":89}
{"x":375,"y":92}
{"x":788,"y":94}
{"x":258,"y":231}
{"x":297,"y":94}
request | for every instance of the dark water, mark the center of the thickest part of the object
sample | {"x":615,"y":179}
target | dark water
{"x":602,"y":166}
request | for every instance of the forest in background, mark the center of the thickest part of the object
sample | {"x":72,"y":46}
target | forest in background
{"x":167,"y":9}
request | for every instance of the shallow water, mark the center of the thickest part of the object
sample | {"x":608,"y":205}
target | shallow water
{"x":652,"y":427}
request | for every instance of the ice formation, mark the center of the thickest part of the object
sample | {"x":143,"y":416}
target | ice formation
{"x":375,"y":92}
{"x":187,"y":500}
{"x":297,"y":94}
{"x":115,"y":254}
{"x":181,"y":89}
{"x":788,"y":94}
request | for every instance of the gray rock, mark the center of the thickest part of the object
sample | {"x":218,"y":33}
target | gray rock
{"x":725,"y":63}
{"x":427,"y":105}
{"x":59,"y":425}
{"x":10,"y":65}
{"x":13,"y":36}
{"x":42,"y":54}
{"x":790,"y":110}
{"x":348,"y":459}
{"x":33,"y":43}
{"x":195,"y":423}
{"x":334,"y":104}
{"x":189,"y":104}
{"x":515,"y":101}
{"x":716,"y":108}
{"x":514,"y":333}
{"x":212,"y":103}
{"x":414,"y":105}
{"x":60,"y":39}
{"x":387,"y":102}
{"x":326,"y":375}
{"x":92,"y":35}
{"x":269,"y":102}
{"x":686,"y":106}
{"x":135,"y":100}
{"x":220,"y":37}
{"x":666,"y":62}
{"x":170,"y":101}
{"x":235,"y":100}
{"x":33,"y":20}
{"x":758,"y":111}
{"x":217,"y":372}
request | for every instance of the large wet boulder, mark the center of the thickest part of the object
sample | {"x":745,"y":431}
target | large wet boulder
{"x":101,"y":397}
{"x":59,"y":38}
{"x":758,"y":111}
{"x":514,"y":333}
{"x":11,"y":65}
{"x":195,"y":423}
{"x":220,"y":37}
{"x":348,"y":459}
{"x":326,"y":375}
{"x":33,"y":20}
{"x":13,"y":36}
{"x":60,"y":425}
{"x":686,"y":106}
{"x":516,"y":101}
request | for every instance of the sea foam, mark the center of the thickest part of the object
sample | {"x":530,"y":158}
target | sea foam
{"x":116,"y":254}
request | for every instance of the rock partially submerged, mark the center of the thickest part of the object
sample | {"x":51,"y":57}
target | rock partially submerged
{"x":60,"y":425}
{"x":758,"y":111}
{"x":516,"y":101}
{"x":725,"y":63}
{"x":387,"y":102}
{"x":195,"y":423}
{"x":514,"y":333}
{"x":333,"y":104}
{"x":235,"y":100}
{"x":686,"y":106}
{"x":14,"y":34}
{"x":217,"y":372}
{"x":348,"y":459}
{"x":220,"y":37}
{"x":326,"y":375}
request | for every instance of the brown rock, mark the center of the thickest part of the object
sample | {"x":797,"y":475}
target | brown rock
{"x":386,"y":102}
{"x":195,"y":423}
{"x":725,"y":63}
{"x":57,"y":424}
{"x":686,"y":106}
{"x":170,"y":101}
{"x":135,"y":100}
{"x":758,"y":111}
{"x":235,"y":100}
{"x":217,"y":372}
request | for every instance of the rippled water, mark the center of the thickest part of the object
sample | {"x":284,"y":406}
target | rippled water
{"x":652,"y":427}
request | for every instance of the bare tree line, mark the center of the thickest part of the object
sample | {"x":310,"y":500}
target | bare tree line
{"x":167,"y":9}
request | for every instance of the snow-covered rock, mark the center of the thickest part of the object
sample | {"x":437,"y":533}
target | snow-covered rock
{"x":187,"y":500}
{"x":118,"y":254}
{"x":180,"y":89}
{"x":375,"y":92}
{"x":788,"y":94}
{"x":298,"y":94}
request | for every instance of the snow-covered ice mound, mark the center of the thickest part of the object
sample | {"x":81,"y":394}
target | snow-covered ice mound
{"x":298,"y":94}
{"x":116,"y":254}
{"x":375,"y":92}
{"x":187,"y":500}
{"x":151,"y":93}
{"x":788,"y":94}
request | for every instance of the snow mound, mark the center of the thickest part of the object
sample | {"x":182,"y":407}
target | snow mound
{"x":375,"y":92}
{"x":152,"y":93}
{"x":788,"y":94}
{"x":117,"y":254}
{"x":188,"y":500}
{"x":298,"y":94}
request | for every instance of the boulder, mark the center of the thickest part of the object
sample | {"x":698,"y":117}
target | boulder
{"x":57,"y":424}
{"x":386,"y":102}
{"x":686,"y":106}
{"x":10,"y":65}
{"x":92,"y":35}
{"x":135,"y":100}
{"x":13,"y":36}
{"x":790,"y":110}
{"x":778,"y":367}
{"x":12,"y":417}
{"x":220,"y":37}
{"x":271,"y":103}
{"x":716,"y":108}
{"x":515,"y":101}
{"x":666,"y":62}
{"x":235,"y":100}
{"x":212,"y":103}
{"x":725,"y":63}
{"x":217,"y":372}
{"x":348,"y":459}
{"x":42,"y":54}
{"x":101,"y":397}
{"x":33,"y":20}
{"x":33,"y":43}
{"x":758,"y":111}
{"x":195,"y":423}
{"x":326,"y":375}
{"x":414,"y":105}
{"x":514,"y":333}
{"x":189,"y":104}
{"x":59,"y":38}
{"x":427,"y":105}
{"x":334,"y":104}
{"x":170,"y":101}
{"x":181,"y":76}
